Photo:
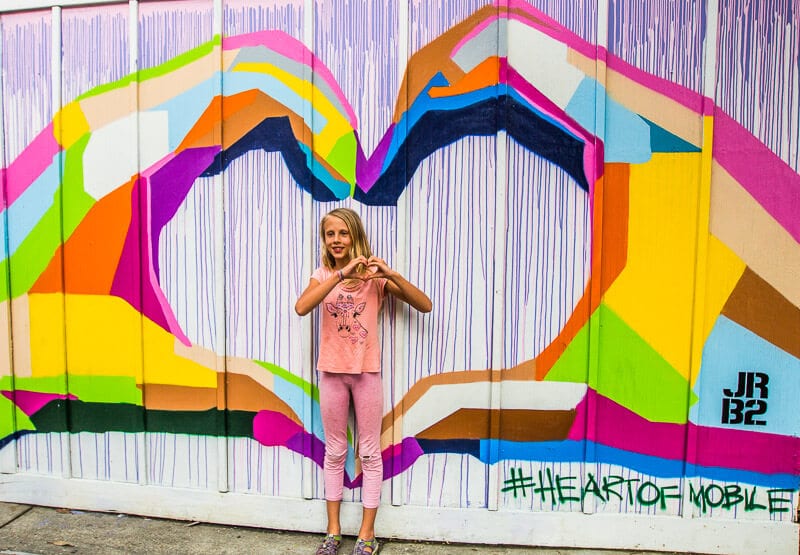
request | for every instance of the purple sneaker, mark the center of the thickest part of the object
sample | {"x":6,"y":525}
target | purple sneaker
{"x":366,"y":547}
{"x":330,"y":545}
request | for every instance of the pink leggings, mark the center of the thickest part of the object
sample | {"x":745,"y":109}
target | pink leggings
{"x":334,"y":401}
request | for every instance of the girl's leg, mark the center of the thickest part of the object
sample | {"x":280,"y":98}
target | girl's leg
{"x":368,"y":402}
{"x":334,"y":404}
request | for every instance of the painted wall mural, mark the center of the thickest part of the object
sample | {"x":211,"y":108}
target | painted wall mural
{"x":609,"y":234}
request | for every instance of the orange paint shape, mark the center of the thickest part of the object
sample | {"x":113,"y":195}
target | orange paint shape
{"x":609,"y":255}
{"x":240,"y":114}
{"x":485,"y":74}
{"x":92,"y":252}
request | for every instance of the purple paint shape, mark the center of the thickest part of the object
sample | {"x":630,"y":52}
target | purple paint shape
{"x":768,"y":179}
{"x":398,"y":458}
{"x":31,"y":402}
{"x":169,"y":186}
{"x":368,"y":170}
{"x":275,"y":429}
{"x":623,"y":429}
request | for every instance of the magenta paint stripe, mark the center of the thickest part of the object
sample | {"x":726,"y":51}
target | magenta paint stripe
{"x":286,"y":45}
{"x":611,"y":424}
{"x":31,"y":402}
{"x":30,"y":164}
{"x":768,"y":179}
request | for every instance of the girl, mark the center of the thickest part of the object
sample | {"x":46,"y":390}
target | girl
{"x":351,"y":284}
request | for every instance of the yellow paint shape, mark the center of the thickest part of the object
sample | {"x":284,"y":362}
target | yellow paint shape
{"x":661,"y":110}
{"x":70,"y":125}
{"x":337,"y":125}
{"x":46,"y":313}
{"x":654,"y":292}
{"x":723,"y":271}
{"x":739,"y":221}
{"x":105,"y":337}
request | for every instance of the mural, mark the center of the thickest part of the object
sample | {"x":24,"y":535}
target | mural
{"x":609,"y":237}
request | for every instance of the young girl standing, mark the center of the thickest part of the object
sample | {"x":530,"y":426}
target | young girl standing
{"x":351,"y":284}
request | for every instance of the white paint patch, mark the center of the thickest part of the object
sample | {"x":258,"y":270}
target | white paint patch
{"x":110,"y":158}
{"x":477,"y":525}
{"x":542,"y":61}
{"x":441,"y":401}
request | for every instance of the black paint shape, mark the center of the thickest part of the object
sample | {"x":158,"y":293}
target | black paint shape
{"x":274,"y":134}
{"x":434,"y":130}
{"x":439,"y":128}
{"x":458,"y":446}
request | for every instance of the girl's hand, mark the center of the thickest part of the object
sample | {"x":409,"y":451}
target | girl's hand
{"x":350,"y":271}
{"x":377,"y":268}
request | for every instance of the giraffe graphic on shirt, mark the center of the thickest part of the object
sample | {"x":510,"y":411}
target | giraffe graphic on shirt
{"x":346,"y":314}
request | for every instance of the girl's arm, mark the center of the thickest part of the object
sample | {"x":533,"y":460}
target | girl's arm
{"x":399,"y":286}
{"x":316,"y":291}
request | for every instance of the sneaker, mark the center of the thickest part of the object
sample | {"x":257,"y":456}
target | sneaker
{"x":366,"y":547}
{"x":330,"y":545}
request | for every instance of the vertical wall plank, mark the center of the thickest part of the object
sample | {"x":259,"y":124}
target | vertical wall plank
{"x":8,"y":452}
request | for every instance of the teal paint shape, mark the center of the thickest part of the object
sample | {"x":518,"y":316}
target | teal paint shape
{"x":662,"y":140}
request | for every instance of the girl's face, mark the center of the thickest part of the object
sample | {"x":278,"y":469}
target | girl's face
{"x":338,"y":240}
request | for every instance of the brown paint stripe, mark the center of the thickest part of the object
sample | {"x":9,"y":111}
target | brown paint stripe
{"x":508,"y":424}
{"x":523,"y":371}
{"x":759,"y":307}
{"x":242,"y":393}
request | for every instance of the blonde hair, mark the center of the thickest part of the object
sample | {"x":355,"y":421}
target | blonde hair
{"x":357,"y":235}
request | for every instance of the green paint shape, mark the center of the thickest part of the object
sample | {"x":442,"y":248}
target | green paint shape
{"x":11,"y":418}
{"x":306,"y":387}
{"x":105,"y":389}
{"x":37,"y":249}
{"x":167,"y":67}
{"x":92,"y":389}
{"x":630,"y":371}
{"x":343,"y":158}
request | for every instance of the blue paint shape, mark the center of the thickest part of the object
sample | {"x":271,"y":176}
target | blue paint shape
{"x":626,"y":136}
{"x":730,"y":349}
{"x":30,"y":207}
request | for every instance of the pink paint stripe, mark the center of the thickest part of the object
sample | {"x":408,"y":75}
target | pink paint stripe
{"x":30,"y":164}
{"x":291,"y":48}
{"x":678,"y":93}
{"x":611,"y":424}
{"x":768,"y":179}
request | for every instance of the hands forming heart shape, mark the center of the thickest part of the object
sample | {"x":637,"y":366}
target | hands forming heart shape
{"x":374,"y":267}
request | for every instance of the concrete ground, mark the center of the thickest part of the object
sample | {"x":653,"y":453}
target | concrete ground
{"x":26,"y":529}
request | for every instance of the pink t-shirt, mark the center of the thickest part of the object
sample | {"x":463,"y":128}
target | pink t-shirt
{"x":349,"y":325}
